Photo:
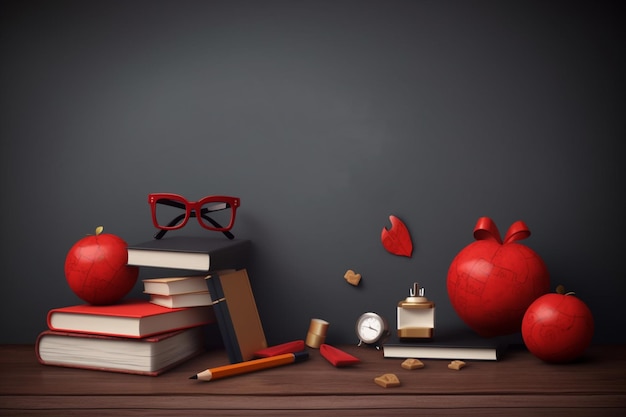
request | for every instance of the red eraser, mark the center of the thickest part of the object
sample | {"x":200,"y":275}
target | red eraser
{"x":289,"y":347}
{"x":337,"y":357}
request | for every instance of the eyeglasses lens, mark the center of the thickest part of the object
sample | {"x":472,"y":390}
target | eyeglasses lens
{"x":216,"y":214}
{"x":169,"y":213}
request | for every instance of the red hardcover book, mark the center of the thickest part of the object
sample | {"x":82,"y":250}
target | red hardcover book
{"x":130,"y":318}
{"x":147,"y":356}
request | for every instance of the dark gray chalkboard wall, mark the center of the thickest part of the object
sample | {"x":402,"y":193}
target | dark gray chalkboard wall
{"x":325,"y":117}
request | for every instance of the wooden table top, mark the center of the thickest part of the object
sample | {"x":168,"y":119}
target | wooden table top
{"x":519,"y":384}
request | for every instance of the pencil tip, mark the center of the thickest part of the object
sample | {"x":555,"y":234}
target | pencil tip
{"x":193,"y":377}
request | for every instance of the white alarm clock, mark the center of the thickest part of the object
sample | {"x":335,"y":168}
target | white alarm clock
{"x":371,"y":329}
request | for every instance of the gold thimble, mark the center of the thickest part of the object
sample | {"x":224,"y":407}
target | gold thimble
{"x":317,"y":333}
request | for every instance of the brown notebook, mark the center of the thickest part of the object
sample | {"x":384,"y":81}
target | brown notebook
{"x":237,"y":315}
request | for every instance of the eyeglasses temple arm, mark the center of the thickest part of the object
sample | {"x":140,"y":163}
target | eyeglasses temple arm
{"x":158,"y":235}
{"x":178,"y":218}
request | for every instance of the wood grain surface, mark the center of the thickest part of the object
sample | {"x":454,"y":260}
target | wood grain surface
{"x":517,"y":385}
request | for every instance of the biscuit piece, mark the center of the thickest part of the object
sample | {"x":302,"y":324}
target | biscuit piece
{"x":411,"y":364}
{"x":387,"y":380}
{"x":352,"y":277}
{"x":456,"y":365}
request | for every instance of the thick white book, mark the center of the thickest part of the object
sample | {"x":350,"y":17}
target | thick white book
{"x":146,"y":356}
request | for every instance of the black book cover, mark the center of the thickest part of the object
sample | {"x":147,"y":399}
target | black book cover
{"x":191,"y":252}
{"x":222,"y":316}
{"x":453,"y":343}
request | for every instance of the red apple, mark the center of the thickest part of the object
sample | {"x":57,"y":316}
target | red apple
{"x":491,"y":283}
{"x":557,"y":327}
{"x":96,"y":270}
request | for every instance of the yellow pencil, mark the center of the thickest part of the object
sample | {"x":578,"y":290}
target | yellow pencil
{"x":250,"y":366}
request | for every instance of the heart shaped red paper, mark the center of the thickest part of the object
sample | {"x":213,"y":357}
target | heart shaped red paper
{"x":397,"y":239}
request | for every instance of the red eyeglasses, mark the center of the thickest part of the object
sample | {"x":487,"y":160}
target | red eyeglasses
{"x":216,"y":212}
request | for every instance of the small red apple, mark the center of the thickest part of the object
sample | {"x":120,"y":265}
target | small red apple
{"x":557,"y":327}
{"x":96,"y":270}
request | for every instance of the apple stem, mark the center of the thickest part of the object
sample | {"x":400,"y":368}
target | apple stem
{"x":560,"y":289}
{"x":99,"y":230}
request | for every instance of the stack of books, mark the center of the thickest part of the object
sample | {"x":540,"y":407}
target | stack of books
{"x":223,"y":263}
{"x":150,"y":336}
{"x":132,"y":336}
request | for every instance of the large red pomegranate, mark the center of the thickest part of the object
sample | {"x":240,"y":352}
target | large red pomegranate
{"x":492,"y":282}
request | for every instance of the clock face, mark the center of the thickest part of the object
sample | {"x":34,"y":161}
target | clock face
{"x":370,"y":327}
